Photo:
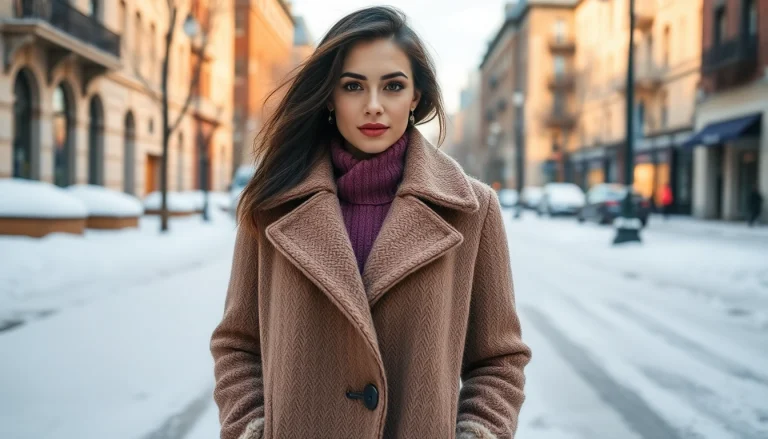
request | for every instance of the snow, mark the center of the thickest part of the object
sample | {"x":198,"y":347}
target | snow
{"x":188,"y":201}
{"x":21,"y":198}
{"x":104,"y":202}
{"x":62,"y":270}
{"x":176,"y":201}
{"x":658,"y":340}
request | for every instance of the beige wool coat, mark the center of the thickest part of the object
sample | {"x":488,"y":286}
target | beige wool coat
{"x":310,"y":348}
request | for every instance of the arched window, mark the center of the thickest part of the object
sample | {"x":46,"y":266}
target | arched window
{"x":129,"y":154}
{"x":22,"y":126}
{"x":96,"y":142}
{"x":63,"y":151}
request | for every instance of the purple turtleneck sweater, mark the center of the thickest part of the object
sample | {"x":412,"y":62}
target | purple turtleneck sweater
{"x":366,"y":189}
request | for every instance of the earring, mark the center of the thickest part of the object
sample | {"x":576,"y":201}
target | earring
{"x":330,"y":117}
{"x":412,"y":119}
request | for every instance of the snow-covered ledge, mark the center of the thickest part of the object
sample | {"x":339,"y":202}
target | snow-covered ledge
{"x":34,"y":208}
{"x":107,"y":208}
{"x":179,"y":203}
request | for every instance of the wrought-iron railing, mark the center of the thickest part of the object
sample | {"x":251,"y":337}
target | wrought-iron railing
{"x":63,"y":16}
{"x":733,"y":51}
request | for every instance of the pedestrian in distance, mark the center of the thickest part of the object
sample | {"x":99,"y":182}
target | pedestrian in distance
{"x":755,"y":205}
{"x":370,"y":273}
{"x":667,"y":199}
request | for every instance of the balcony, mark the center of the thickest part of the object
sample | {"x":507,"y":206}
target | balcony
{"x":65,"y":34}
{"x":562,"y":45}
{"x":560,"y":117}
{"x":562,"y":81}
{"x":731,"y":62}
{"x":649,"y":77}
{"x":645,"y":13}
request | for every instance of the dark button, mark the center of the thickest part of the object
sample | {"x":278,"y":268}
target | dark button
{"x":370,"y":396}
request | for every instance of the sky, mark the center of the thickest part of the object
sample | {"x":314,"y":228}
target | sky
{"x":455,"y":31}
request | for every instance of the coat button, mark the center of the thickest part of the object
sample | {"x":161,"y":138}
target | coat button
{"x":371,"y":397}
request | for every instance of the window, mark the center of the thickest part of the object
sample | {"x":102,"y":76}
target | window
{"x":123,"y":20}
{"x":137,"y":42}
{"x":750,"y":17}
{"x":664,"y":117}
{"x":239,"y":23}
{"x":240,"y":67}
{"x":559,"y":66}
{"x":93,"y":8}
{"x":560,"y":30}
{"x":666,"y":43}
{"x":151,"y":126}
{"x":719,"y":26}
{"x":152,"y":47}
{"x":559,"y":104}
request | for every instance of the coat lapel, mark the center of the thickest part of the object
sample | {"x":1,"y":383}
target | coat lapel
{"x":413,"y":235}
{"x":314,"y":239}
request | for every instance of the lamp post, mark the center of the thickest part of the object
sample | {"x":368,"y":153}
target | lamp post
{"x":519,"y":102}
{"x":628,"y":225}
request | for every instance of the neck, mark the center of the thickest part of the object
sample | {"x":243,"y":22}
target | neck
{"x":357,"y":153}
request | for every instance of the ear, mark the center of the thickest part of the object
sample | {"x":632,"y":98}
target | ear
{"x":416,"y":99}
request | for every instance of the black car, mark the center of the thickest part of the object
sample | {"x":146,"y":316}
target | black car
{"x":603,"y":204}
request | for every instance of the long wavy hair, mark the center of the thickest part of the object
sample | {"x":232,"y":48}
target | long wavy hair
{"x":297,"y":133}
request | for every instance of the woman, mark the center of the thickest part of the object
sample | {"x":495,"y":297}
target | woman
{"x":370,"y":274}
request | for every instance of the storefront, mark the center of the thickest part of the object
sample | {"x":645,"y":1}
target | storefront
{"x":662,"y":160}
{"x":728,"y":165}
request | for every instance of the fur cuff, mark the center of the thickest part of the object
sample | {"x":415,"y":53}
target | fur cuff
{"x":254,"y":430}
{"x":473,"y":430}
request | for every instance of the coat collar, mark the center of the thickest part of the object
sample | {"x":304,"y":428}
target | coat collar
{"x":314,"y":239}
{"x":429,"y":174}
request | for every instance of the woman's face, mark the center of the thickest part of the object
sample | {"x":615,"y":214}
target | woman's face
{"x":375,"y":95}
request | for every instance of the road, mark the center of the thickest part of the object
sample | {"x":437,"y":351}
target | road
{"x":656,"y":341}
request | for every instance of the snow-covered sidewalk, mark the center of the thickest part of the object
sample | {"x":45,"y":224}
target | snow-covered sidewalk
{"x":40,"y":276}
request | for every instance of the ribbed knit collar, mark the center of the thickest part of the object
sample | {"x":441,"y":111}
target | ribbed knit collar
{"x":371,"y":181}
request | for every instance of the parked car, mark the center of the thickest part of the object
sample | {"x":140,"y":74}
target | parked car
{"x":561,"y":199}
{"x":531,"y":197}
{"x":242,"y":176}
{"x":508,"y":197}
{"x":604,"y":204}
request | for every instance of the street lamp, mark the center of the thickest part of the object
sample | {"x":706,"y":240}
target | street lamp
{"x":518,"y":99}
{"x":628,"y":225}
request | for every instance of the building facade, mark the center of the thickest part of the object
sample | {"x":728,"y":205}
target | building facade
{"x":80,"y":94}
{"x":731,"y":143}
{"x":264,"y":32}
{"x":667,"y":51}
{"x":527,"y":93}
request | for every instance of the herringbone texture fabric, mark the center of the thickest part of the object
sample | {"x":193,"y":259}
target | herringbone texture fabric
{"x":302,"y":326}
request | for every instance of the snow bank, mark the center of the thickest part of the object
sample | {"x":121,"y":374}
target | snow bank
{"x":20,"y":198}
{"x":188,"y":201}
{"x":177,"y":202}
{"x":104,"y":202}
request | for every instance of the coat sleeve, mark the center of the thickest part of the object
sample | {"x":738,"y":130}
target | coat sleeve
{"x":236,"y":348}
{"x":494,"y":353}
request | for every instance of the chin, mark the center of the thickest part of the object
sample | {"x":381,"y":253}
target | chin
{"x":373,"y":145}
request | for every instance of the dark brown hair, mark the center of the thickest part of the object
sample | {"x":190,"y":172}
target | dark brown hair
{"x":297,"y":134}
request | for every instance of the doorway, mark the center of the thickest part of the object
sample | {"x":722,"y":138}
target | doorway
{"x":152,"y":174}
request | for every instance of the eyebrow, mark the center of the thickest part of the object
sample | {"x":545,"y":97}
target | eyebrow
{"x":383,"y":78}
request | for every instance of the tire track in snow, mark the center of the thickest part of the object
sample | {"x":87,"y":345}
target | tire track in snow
{"x":673,"y":338}
{"x":639,"y":416}
{"x":708,"y":403}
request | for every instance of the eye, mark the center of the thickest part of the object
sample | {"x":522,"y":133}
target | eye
{"x":394,"y":86}
{"x":352,"y":86}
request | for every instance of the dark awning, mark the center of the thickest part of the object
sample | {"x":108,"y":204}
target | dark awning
{"x":719,"y":132}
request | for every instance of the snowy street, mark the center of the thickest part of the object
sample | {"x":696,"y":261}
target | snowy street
{"x":661,"y":340}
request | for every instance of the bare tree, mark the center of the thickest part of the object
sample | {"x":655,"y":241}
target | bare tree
{"x":199,"y":29}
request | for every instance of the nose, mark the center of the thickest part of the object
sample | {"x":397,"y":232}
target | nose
{"x":373,"y":106}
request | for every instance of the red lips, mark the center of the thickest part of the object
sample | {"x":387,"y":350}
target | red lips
{"x":373,"y":129}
